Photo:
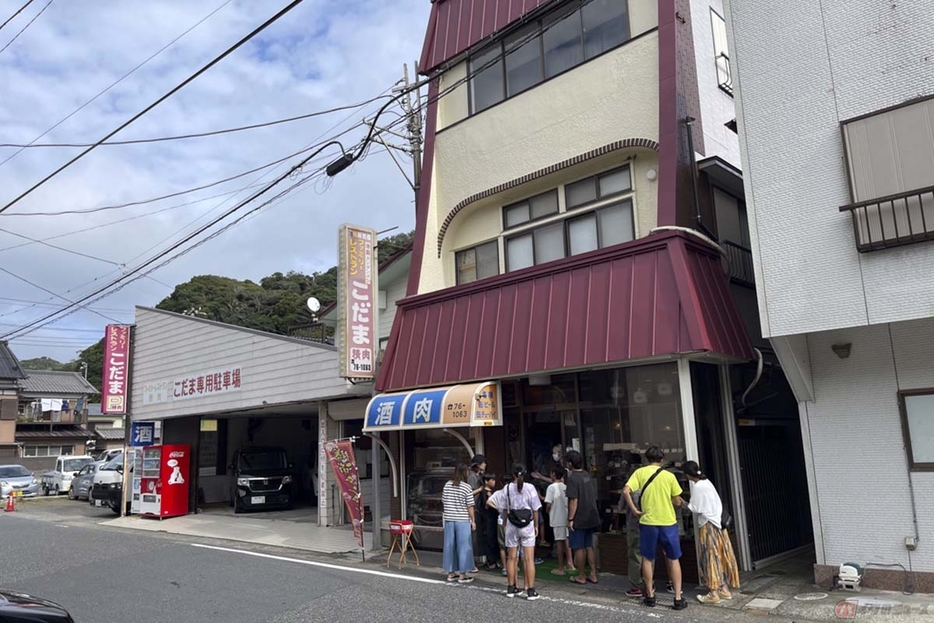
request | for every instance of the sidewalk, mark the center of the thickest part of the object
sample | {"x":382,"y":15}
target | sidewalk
{"x":769,"y":592}
{"x":281,"y":533}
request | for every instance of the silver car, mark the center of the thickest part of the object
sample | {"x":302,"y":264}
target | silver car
{"x":81,"y":483}
{"x":16,"y":478}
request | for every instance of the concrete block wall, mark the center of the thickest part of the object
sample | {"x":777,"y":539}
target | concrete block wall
{"x":861,"y":468}
{"x":800,"y":69}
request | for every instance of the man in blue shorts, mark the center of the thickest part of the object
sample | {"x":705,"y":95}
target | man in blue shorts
{"x":660,"y":494}
{"x":583,"y":517}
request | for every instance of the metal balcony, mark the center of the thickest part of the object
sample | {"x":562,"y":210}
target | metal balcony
{"x":741,"y":269}
{"x":893,"y":221}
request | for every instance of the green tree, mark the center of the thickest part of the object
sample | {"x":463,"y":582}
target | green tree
{"x":94,"y":357}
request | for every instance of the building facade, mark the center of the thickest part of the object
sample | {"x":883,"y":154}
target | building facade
{"x":836,"y":118}
{"x":581,"y":247}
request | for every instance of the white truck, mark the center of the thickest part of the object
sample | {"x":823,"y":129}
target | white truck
{"x":59,"y":479}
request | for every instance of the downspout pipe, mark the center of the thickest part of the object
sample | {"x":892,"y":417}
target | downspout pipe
{"x":698,"y":218}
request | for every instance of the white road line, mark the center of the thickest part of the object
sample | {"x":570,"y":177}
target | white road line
{"x":409,"y":578}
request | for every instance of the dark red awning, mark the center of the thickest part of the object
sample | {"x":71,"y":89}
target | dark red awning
{"x":660,"y":295}
{"x":456,"y":25}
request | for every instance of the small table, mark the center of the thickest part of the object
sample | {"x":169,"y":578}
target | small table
{"x":401,"y":532}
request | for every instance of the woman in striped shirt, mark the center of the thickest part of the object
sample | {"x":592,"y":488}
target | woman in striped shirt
{"x":458,"y":502}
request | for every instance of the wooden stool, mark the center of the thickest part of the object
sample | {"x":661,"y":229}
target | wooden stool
{"x":401,"y":532}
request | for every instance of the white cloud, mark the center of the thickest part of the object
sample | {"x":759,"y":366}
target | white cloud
{"x":325,"y":53}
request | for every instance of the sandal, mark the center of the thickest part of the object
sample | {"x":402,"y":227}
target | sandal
{"x":575,"y":580}
{"x":557,"y":572}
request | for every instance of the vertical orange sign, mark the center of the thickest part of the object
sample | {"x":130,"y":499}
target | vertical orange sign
{"x":357,"y":302}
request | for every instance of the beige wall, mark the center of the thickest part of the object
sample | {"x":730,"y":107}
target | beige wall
{"x":550,"y":123}
{"x":7,"y":431}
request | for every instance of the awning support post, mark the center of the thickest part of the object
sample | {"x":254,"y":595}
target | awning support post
{"x":459,"y":437}
{"x":392,"y":465}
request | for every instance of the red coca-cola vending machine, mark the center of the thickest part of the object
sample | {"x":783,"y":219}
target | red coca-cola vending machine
{"x":166,"y":471}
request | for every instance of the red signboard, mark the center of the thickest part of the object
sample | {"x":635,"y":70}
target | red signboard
{"x":340,"y":455}
{"x":116,"y":368}
{"x":358,"y":339}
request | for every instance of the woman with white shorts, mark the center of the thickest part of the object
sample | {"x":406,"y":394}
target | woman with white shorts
{"x":519,"y":504}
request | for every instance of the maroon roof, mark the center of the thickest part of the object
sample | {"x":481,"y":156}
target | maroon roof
{"x":456,"y":25}
{"x":659,"y":295}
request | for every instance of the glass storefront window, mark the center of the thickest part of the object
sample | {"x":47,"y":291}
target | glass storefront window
{"x":434,"y":454}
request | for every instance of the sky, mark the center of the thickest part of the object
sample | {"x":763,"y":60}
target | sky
{"x":323,"y":54}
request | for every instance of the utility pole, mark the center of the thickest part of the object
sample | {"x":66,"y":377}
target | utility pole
{"x":414,"y":126}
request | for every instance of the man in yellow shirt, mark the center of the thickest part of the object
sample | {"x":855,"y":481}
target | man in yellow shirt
{"x":659,"y":494}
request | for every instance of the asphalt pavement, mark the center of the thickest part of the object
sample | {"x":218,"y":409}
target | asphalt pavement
{"x":57,"y":550}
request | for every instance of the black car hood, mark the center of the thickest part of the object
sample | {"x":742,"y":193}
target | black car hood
{"x":264,"y":473}
{"x":16,"y":606}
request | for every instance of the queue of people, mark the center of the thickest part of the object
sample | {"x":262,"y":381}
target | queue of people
{"x":511,"y":521}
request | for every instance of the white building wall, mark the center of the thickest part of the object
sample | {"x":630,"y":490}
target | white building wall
{"x":717,"y":107}
{"x":395,"y":292}
{"x":861,"y":470}
{"x":274,"y":369}
{"x":800,"y":69}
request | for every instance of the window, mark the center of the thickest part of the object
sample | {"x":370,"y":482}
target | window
{"x":563,"y":44}
{"x":487,"y":82}
{"x":598,"y":187}
{"x":48,"y":451}
{"x":721,"y":53}
{"x":606,"y":25}
{"x":523,"y":60}
{"x":544,"y":49}
{"x":538,"y":207}
{"x":602,"y":228}
{"x":890,"y":160}
{"x":917,"y":411}
{"x":479,"y":262}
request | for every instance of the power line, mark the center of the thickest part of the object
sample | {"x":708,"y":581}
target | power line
{"x":37,"y":323}
{"x":12,"y":17}
{"x":44,"y":289}
{"x":28,"y":24}
{"x":179,"y":193}
{"x":53,"y":246}
{"x":47,"y":304}
{"x":118,"y":81}
{"x":140,"y":114}
{"x":178,"y":137}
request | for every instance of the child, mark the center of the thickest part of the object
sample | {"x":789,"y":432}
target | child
{"x":489,"y":520}
{"x":556,"y":503}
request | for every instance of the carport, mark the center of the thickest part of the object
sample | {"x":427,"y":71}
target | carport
{"x":219,"y":388}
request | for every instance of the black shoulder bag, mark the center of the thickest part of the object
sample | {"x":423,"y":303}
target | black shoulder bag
{"x":520,"y":517}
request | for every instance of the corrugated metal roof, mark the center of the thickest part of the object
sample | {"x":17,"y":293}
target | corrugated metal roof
{"x":9,"y":364}
{"x":59,"y":432}
{"x":456,"y":25}
{"x":660,"y":295}
{"x":110,"y":434}
{"x":49,"y":383}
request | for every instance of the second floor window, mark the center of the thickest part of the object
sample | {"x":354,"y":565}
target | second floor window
{"x":721,"y":52}
{"x":478,"y":262}
{"x":544,"y":49}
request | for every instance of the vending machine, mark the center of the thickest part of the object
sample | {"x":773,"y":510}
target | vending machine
{"x":165,"y":475}
{"x":136,"y":488}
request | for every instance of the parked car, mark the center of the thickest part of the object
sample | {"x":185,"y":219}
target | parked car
{"x":59,"y":479}
{"x":21,"y":607}
{"x":81,"y":483}
{"x":107,"y":487}
{"x":261,"y":479}
{"x":106,"y":455}
{"x":16,"y":478}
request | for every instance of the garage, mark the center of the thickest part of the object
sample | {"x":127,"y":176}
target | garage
{"x":253,"y":407}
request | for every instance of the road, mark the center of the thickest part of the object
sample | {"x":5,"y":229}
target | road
{"x":100,"y":574}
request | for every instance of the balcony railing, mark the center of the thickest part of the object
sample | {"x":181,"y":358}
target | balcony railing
{"x":741,"y":270}
{"x":50,"y":417}
{"x":893,"y":221}
{"x":724,"y":74}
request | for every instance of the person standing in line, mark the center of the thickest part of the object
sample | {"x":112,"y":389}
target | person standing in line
{"x":718,"y":569}
{"x":632,"y":544}
{"x":520,"y":505}
{"x":457,"y":503}
{"x":475,"y":480}
{"x":660,"y":495}
{"x":489,"y":526}
{"x":556,"y":503}
{"x":583,"y":517}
